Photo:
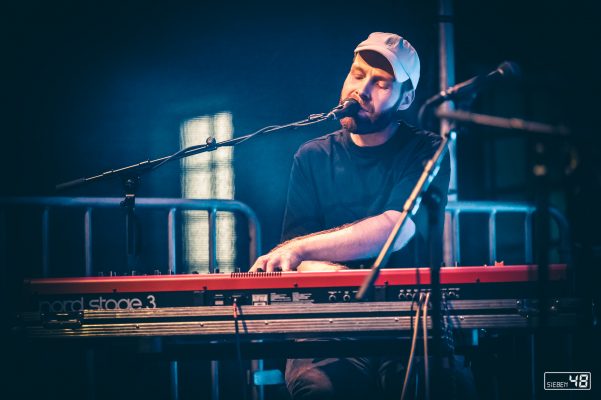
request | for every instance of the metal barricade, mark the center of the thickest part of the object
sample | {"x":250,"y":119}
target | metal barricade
{"x":492,"y":209}
{"x":172,"y":205}
{"x":452,"y":249}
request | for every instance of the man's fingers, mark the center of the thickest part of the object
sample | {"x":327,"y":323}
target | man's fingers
{"x":259,"y":263}
{"x":285,"y":264}
{"x":273,"y":264}
{"x":277,"y":260}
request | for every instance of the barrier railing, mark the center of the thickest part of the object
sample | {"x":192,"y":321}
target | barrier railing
{"x":493,"y":209}
{"x":171,"y":205}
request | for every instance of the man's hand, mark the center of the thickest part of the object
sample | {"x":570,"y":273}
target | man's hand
{"x":319,"y":266}
{"x":283,"y":258}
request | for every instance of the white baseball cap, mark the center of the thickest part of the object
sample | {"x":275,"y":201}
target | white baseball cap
{"x":402,"y":56}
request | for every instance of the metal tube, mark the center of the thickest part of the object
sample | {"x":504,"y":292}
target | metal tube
{"x":446,"y":78}
{"x":533,"y":380}
{"x":171,"y":240}
{"x":492,"y":237}
{"x":212,"y":240}
{"x":456,"y":238}
{"x":565,"y":253}
{"x":214,"y":380}
{"x":88,"y":241}
{"x":528,"y":240}
{"x":173,"y":376}
{"x":448,"y":245}
{"x":488,"y":206}
{"x":90,"y":355}
{"x":254,"y":235}
{"x":45,"y":242}
{"x":258,"y":391}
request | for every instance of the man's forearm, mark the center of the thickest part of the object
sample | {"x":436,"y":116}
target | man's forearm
{"x":363,"y":239}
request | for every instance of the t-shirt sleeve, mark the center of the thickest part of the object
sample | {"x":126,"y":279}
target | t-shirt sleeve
{"x":302,"y":215}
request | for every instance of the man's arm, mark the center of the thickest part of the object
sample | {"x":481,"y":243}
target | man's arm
{"x":363,"y":239}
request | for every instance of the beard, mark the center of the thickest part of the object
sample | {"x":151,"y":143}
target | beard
{"x":365,"y":125}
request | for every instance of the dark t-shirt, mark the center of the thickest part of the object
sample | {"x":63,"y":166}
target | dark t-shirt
{"x":335,"y":182}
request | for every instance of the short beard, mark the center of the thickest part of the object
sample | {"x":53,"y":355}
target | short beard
{"x":364,"y":126}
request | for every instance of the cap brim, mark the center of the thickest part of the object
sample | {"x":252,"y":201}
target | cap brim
{"x":399,"y":73}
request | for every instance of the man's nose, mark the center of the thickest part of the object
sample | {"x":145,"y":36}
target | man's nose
{"x":364,"y":90}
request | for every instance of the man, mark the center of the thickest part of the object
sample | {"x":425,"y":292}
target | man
{"x":347,"y":188}
{"x":345,"y":195}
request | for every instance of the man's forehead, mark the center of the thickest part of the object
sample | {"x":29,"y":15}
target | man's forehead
{"x":374,"y":60}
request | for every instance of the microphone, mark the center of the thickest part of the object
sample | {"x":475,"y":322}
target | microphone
{"x":471,"y":86}
{"x":347,"y":108}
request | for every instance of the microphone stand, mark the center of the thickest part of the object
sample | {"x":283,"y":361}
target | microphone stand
{"x":409,"y":209}
{"x":131,"y":176}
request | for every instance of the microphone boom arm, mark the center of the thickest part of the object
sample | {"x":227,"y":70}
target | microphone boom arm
{"x":135,"y":170}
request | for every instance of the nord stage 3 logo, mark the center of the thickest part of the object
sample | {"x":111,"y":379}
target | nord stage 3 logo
{"x":97,"y":303}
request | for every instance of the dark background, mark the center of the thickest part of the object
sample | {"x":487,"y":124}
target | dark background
{"x":94,"y":85}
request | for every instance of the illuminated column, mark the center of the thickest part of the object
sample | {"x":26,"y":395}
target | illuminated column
{"x":208,"y":176}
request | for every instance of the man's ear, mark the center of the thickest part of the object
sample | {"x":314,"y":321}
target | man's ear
{"x":407,"y":99}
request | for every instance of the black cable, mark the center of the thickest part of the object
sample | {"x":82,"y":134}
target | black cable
{"x":415,"y":327}
{"x":238,"y":349}
{"x":266,"y":129}
{"x":450,"y":345}
{"x":208,"y":144}
{"x":211,"y":141}
{"x":422,"y":111}
{"x":425,"y":336}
